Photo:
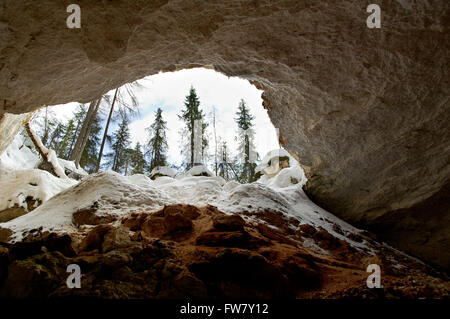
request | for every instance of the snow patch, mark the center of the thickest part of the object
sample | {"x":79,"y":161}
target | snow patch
{"x":163,"y":171}
{"x":18,"y":156}
{"x":199,"y":170}
{"x":117,"y":195}
{"x":36,"y":184}
{"x":20,"y":180}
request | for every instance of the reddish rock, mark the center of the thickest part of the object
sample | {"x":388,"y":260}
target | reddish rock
{"x":327,"y":241}
{"x":89,"y":217}
{"x":241,"y":273}
{"x":94,"y":238}
{"x":189,"y":211}
{"x":225,"y":239}
{"x":5,"y":235}
{"x":229,"y":222}
{"x":135,"y":221}
{"x":3,"y":263}
{"x":274,"y":234}
{"x":115,"y":238}
{"x":302,"y":274}
{"x":189,"y":262}
{"x":177,"y":222}
{"x":154,"y":226}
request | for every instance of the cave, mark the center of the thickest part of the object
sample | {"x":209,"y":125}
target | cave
{"x":364,"y":110}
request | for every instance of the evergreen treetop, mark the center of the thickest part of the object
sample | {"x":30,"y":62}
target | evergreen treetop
{"x":157,"y":142}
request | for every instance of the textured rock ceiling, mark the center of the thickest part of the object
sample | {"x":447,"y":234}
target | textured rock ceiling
{"x":365,"y":110}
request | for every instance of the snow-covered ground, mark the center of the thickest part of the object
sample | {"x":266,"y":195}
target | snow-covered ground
{"x":162,"y":171}
{"x":114,"y":194}
{"x":20,"y":179}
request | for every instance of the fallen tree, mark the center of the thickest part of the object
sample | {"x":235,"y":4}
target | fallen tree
{"x":48,"y":155}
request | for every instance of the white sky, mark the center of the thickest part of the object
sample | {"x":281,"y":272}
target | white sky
{"x":168,"y":91}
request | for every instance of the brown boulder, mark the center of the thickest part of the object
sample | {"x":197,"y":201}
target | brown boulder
{"x":190,"y":286}
{"x":177,"y":222}
{"x":89,"y":217}
{"x":189,"y":211}
{"x":225,"y":239}
{"x":11,"y":213}
{"x":135,"y":221}
{"x":94,"y":238}
{"x":154,"y":226}
{"x":3,"y":263}
{"x":237,"y":273}
{"x":307,"y":230}
{"x":5,"y":235}
{"x":229,"y":222}
{"x":116,"y":238}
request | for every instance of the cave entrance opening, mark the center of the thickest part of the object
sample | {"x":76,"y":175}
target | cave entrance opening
{"x":130,"y":112}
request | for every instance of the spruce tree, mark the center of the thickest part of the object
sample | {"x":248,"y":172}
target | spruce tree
{"x":190,"y":115}
{"x":157,"y":142}
{"x":55,"y":137}
{"x":63,"y":149}
{"x":246,"y":147}
{"x":137,"y":160}
{"x":78,"y":119}
{"x":120,"y":142}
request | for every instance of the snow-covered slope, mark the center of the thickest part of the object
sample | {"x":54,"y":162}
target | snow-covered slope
{"x":271,"y":155}
{"x":20,"y":179}
{"x":117,"y":195}
{"x":18,"y":156}
{"x":199,"y":170}
{"x":163,"y":171}
{"x":16,"y":186}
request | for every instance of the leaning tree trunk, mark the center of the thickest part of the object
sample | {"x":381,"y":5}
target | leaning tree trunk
{"x":86,"y":137}
{"x":48,"y":156}
{"x":84,"y":133}
{"x":106,"y":132}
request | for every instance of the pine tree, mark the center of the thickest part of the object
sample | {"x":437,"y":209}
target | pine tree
{"x":78,"y":119}
{"x":127,"y":105}
{"x":137,"y":160}
{"x":83,"y":136}
{"x":55,"y":137}
{"x":120,"y":142}
{"x":195,"y":148}
{"x":63,"y":148}
{"x":246,"y":147}
{"x":157,"y":142}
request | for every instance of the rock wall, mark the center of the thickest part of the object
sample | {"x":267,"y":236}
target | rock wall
{"x":365,"y":110}
{"x":10,"y":125}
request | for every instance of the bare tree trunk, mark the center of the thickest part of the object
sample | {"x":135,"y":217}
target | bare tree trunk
{"x":126,"y":166}
{"x":86,"y":136}
{"x":84,"y":133}
{"x":106,"y":131}
{"x":71,"y":148}
{"x":48,"y":156}
{"x":192,"y":144}
{"x":45,"y":137}
{"x":215,"y":139}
